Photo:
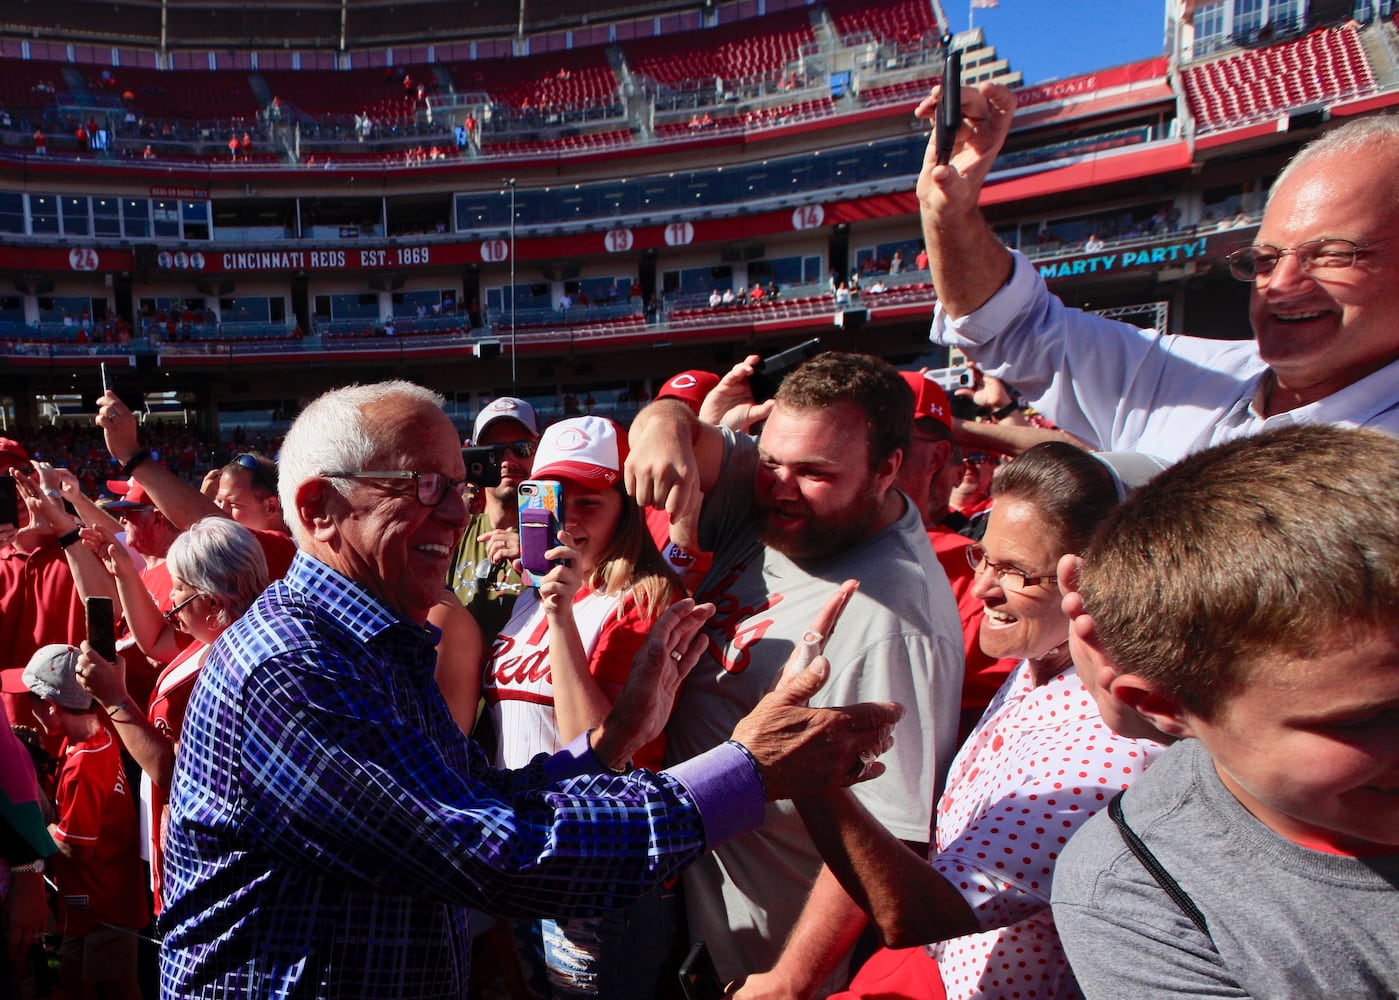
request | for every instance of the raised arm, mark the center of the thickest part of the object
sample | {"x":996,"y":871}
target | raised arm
{"x":89,"y":575}
{"x":968,"y":263}
{"x":181,"y":503}
{"x":674,"y":460}
{"x":63,"y":480}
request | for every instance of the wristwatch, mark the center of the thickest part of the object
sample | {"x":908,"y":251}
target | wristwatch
{"x":35,"y":867}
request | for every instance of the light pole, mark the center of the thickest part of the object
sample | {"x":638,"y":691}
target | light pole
{"x":510,"y":182}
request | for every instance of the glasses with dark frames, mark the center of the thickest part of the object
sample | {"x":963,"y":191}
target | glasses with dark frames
{"x":430,"y":488}
{"x":1015,"y":580}
{"x":170,"y":615}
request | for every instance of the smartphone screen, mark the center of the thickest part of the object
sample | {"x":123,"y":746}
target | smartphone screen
{"x":541,"y":520}
{"x":9,"y":501}
{"x":949,"y":116}
{"x":101,"y":627}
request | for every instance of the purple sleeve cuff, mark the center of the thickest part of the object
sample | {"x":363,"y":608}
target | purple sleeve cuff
{"x":573,"y":760}
{"x":723,"y":782}
{"x":727,"y":790}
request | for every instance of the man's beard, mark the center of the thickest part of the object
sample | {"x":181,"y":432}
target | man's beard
{"x":820,"y":538}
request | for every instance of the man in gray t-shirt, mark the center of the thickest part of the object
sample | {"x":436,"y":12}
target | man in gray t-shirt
{"x":789,"y":516}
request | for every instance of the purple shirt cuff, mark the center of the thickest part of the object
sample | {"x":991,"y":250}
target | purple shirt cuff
{"x":723,"y":782}
{"x":573,"y":760}
{"x":727,"y":790}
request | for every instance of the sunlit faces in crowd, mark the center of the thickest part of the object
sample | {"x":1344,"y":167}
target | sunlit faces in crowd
{"x":242,"y":498}
{"x":1321,"y":327}
{"x":816,"y":494}
{"x":591,"y":518}
{"x":381,"y":534}
{"x":1015,"y":580}
{"x":518,"y":458}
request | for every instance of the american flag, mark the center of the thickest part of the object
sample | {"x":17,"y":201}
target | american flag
{"x":985,"y":4}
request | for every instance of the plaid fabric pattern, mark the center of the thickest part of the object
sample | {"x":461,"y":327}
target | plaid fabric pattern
{"x":329,"y":824}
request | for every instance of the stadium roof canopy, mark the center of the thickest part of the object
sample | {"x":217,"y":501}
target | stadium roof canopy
{"x":343,"y":25}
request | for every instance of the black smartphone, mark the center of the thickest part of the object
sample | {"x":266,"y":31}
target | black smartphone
{"x":949,"y":118}
{"x":102,"y":628}
{"x":9,"y":500}
{"x":483,"y":464}
{"x":541,"y":520}
{"x":699,"y":980}
{"x":769,"y":372}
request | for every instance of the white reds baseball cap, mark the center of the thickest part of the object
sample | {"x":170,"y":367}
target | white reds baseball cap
{"x":588,"y":451}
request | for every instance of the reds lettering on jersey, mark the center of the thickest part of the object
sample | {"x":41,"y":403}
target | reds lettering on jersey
{"x":735,"y":627}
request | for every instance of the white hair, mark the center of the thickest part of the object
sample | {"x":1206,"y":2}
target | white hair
{"x":332,"y":434}
{"x":219,"y":557}
{"x":1356,"y":139}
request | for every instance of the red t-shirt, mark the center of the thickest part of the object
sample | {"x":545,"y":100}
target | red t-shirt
{"x":97,"y":814}
{"x":278,"y":549}
{"x":39,"y":603}
{"x":167,"y":714}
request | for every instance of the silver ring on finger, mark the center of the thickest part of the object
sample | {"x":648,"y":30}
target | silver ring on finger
{"x":675,"y":655}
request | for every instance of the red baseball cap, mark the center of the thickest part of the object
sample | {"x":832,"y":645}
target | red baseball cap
{"x":132,"y":493}
{"x":929,"y":399}
{"x":10,"y":446}
{"x":690,"y":387}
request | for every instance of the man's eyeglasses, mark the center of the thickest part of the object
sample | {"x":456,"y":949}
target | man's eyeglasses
{"x":431,"y":488}
{"x":1251,"y":263}
{"x":169,"y":616}
{"x":1014,"y":580}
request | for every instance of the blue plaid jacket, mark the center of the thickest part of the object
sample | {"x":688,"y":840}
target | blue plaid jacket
{"x":329,"y":824}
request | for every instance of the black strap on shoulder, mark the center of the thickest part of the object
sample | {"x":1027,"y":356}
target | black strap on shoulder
{"x":1157,"y":871}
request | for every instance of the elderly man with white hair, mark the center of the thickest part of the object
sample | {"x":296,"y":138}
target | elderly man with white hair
{"x":330,"y":824}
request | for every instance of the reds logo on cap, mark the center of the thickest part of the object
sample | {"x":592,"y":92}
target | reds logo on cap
{"x":684,"y":381}
{"x":573,"y":439}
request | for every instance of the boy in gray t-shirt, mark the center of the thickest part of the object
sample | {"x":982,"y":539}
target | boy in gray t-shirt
{"x":1244,"y":603}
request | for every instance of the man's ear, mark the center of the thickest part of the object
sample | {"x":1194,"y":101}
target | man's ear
{"x":939,"y":457}
{"x":1163,"y":712}
{"x":888,"y":470}
{"x":316,"y":504}
{"x":1129,"y":705}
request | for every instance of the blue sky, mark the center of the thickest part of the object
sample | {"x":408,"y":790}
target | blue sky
{"x":1048,"y":39}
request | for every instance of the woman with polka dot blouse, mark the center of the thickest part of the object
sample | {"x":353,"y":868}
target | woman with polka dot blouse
{"x":1038,"y":764}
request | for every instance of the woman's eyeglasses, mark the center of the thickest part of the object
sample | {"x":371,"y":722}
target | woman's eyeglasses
{"x":170,"y":615}
{"x":1014,"y":580}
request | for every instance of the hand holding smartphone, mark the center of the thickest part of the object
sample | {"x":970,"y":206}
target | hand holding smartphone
{"x":101,"y":628}
{"x":541,"y":519}
{"x":769,"y":372}
{"x":949,"y":117}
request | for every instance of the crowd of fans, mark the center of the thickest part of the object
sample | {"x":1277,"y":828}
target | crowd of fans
{"x":1078,"y":682}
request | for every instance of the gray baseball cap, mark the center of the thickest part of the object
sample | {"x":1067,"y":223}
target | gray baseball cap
{"x":52,"y":673}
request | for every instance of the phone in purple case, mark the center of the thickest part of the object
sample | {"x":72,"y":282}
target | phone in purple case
{"x":541,"y":519}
